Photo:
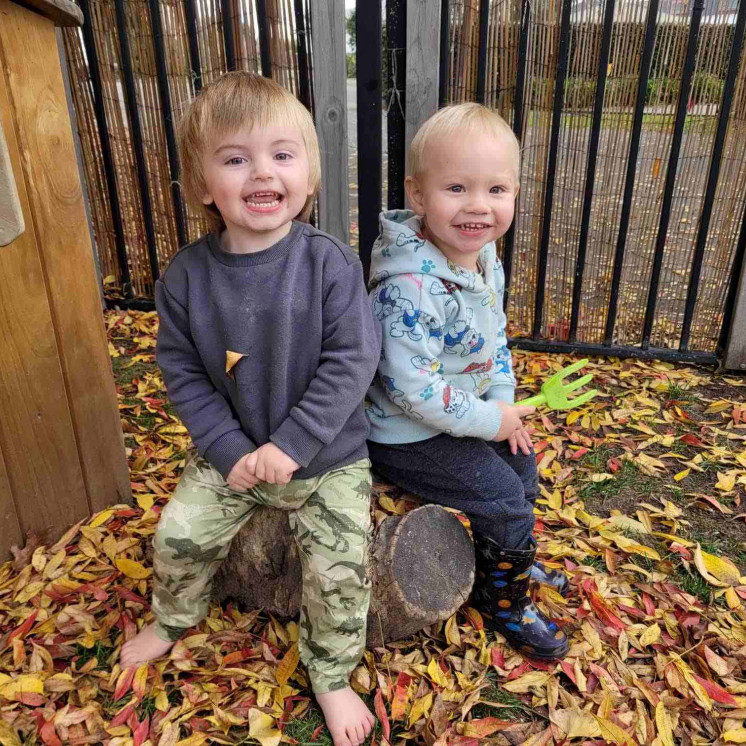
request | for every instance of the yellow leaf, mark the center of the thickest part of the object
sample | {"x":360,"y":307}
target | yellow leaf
{"x":612,"y":733}
{"x":575,"y":723}
{"x":24,"y":684}
{"x":452,"y":634}
{"x":664,"y":725}
{"x":287,"y":665}
{"x":650,"y":635}
{"x":718,"y":571}
{"x":436,"y":674}
{"x":262,"y":727}
{"x":145,"y":501}
{"x":527,"y":681}
{"x":718,"y":406}
{"x":573,"y":416}
{"x":601,"y":477}
{"x":8,"y":736}
{"x":100,"y":518}
{"x":420,"y":708}
{"x":231,"y":358}
{"x":133,"y":569}
{"x":681,"y":475}
{"x":195,"y":740}
{"x":735,"y":736}
{"x":731,"y":598}
{"x":726,"y":482}
{"x":699,"y":693}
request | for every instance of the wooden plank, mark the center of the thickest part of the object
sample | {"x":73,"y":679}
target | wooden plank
{"x":37,"y":91}
{"x":735,"y":352}
{"x":60,"y":12}
{"x":423,"y":63}
{"x":36,"y":433}
{"x":10,"y":529}
{"x":11,"y":217}
{"x":330,"y":106}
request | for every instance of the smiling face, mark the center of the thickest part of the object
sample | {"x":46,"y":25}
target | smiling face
{"x":258,"y":178}
{"x":466,"y":193}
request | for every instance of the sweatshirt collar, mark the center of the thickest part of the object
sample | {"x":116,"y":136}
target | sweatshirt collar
{"x":265,"y":256}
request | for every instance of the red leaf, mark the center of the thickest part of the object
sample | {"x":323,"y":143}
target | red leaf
{"x":569,"y":672}
{"x":23,"y":629}
{"x":122,"y":716}
{"x":498,"y":657}
{"x":614,"y":465}
{"x":316,"y":732}
{"x":605,"y":613}
{"x":49,"y":734}
{"x":124,"y":682}
{"x":142,"y":732}
{"x":692,"y":440}
{"x":717,"y":692}
{"x":383,"y":718}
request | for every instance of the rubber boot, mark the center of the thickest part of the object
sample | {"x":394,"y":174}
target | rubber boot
{"x":555,"y":578}
{"x":501,"y":590}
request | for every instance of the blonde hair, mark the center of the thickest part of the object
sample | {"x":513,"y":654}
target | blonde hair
{"x":470,"y":116}
{"x":234,"y":101}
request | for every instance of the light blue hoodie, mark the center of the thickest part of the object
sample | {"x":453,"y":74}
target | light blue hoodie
{"x":445,"y":359}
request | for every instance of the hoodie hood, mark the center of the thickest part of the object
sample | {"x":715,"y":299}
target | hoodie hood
{"x":401,"y":249}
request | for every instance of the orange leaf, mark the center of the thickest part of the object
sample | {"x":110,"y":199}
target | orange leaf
{"x":401,"y":696}
{"x":383,"y":718}
{"x":287,"y":665}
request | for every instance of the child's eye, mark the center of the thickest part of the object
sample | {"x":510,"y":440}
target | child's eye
{"x":497,"y":190}
{"x":237,"y":160}
{"x":283,"y":156}
{"x":457,"y":188}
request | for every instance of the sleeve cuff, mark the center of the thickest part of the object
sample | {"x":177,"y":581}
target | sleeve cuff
{"x":227,"y":449}
{"x":504,"y":392}
{"x":487,"y":421}
{"x":296,"y":441}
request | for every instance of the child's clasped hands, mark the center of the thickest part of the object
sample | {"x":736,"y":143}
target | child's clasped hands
{"x":268,"y":463}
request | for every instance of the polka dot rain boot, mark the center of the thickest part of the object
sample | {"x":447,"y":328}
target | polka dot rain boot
{"x":501,"y":590}
{"x":555,"y":578}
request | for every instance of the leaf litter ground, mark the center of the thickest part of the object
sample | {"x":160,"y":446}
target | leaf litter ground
{"x":643,"y":504}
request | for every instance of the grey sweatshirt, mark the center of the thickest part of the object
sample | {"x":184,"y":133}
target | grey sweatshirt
{"x":299,"y":314}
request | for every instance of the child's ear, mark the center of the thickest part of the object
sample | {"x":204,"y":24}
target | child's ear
{"x":414,"y":194}
{"x":207,"y":199}
{"x":517,"y":189}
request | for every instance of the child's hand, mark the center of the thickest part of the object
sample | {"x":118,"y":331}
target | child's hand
{"x":520,"y":439}
{"x":511,"y":421}
{"x":241,"y":477}
{"x":273,"y":465}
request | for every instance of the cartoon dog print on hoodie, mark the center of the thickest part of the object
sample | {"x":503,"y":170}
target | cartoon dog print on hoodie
{"x":455,"y":402}
{"x":462,"y":339}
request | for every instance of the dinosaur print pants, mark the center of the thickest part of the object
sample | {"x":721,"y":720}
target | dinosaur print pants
{"x":329,"y":516}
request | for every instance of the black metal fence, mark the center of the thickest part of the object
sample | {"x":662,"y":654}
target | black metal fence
{"x":502,"y":68}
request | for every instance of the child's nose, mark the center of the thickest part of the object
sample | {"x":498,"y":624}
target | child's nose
{"x":262,"y":169}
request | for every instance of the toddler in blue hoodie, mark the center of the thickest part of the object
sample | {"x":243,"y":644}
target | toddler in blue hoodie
{"x":444,"y":425}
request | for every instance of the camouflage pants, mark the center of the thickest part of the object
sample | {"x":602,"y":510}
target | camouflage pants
{"x":330,"y":520}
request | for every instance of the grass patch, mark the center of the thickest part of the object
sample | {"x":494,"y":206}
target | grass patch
{"x":695,"y":585}
{"x":99,"y":651}
{"x":511,"y":708}
{"x":627,"y":477}
{"x":677,"y":392}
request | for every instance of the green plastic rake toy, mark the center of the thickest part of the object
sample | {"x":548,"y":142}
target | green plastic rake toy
{"x":554,"y":392}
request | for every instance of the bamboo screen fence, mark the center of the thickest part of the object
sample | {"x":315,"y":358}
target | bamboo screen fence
{"x":711,"y":60}
{"x":502,"y":53}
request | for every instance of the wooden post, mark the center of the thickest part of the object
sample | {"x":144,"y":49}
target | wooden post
{"x":735,"y":352}
{"x":330,"y":106}
{"x":423,"y":63}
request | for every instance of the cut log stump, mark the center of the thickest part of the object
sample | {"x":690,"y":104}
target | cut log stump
{"x":421,"y":566}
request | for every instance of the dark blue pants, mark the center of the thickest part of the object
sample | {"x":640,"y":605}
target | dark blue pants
{"x":480,"y":478}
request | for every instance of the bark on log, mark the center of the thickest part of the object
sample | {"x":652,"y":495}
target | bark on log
{"x":421,"y":566}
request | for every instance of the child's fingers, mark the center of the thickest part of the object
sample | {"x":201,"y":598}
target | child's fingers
{"x":513,"y":442}
{"x":523,"y":411}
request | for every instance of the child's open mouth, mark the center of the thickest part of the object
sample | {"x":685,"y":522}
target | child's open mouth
{"x":263,"y":201}
{"x":473,"y":229}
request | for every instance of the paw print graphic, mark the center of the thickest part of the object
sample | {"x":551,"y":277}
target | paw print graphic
{"x":386,"y":252}
{"x":427,"y":393}
{"x":427,"y":265}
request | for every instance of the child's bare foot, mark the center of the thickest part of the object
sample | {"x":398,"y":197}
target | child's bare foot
{"x":145,"y":647}
{"x":348,"y":719}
